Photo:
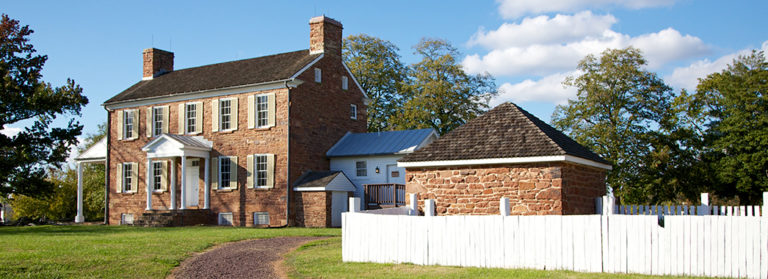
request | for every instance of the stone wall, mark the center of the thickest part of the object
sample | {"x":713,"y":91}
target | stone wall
{"x":533,"y":189}
{"x":311,"y":209}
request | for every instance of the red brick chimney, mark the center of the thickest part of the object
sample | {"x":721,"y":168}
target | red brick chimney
{"x":157,"y":62}
{"x":325,"y":36}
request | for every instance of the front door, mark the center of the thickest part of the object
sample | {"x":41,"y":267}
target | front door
{"x":192,"y":180}
{"x":338,"y":205}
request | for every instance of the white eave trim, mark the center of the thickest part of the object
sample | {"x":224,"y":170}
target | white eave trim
{"x":497,"y":161}
{"x":308,"y":65}
{"x":309,"y":189}
{"x":185,"y":96}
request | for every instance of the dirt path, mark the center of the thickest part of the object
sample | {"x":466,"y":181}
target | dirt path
{"x":258,"y":258}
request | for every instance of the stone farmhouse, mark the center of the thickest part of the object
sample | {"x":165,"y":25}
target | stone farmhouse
{"x":221,"y":143}
{"x":506,"y":152}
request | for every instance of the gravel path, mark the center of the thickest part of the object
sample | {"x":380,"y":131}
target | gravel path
{"x":258,"y":258}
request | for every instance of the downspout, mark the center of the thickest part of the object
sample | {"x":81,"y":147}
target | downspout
{"x":106,"y":170}
{"x":288,"y":162}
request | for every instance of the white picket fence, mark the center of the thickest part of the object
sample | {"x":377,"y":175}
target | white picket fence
{"x":704,"y":209}
{"x":727,"y":246}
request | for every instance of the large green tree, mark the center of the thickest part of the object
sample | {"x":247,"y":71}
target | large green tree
{"x":441,"y":95}
{"x":735,"y":102}
{"x":630,"y":117}
{"x":377,"y":66}
{"x":25,"y":96}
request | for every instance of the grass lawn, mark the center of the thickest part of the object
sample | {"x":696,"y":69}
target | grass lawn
{"x":322,"y":259}
{"x":115,"y":251}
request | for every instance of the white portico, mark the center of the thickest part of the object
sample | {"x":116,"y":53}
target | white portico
{"x":190,"y":150}
{"x":97,"y":153}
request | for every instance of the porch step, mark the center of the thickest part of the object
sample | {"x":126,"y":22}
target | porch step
{"x":175,"y":218}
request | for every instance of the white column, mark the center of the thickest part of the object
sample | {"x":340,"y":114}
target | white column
{"x":413,"y":198}
{"x":504,"y":206}
{"x":79,"y":218}
{"x":173,"y":183}
{"x":429,"y":207}
{"x":149,"y":184}
{"x":183,"y":182}
{"x":207,"y":175}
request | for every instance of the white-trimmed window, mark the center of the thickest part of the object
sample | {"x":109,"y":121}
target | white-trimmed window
{"x":191,"y":117}
{"x":225,"y":114}
{"x":126,"y":219}
{"x":318,"y":75}
{"x":128,"y":124}
{"x":260,"y":169}
{"x":344,"y":82}
{"x":157,"y":121}
{"x":261,"y":218}
{"x":262,"y":111}
{"x":157,"y":176}
{"x":225,"y":219}
{"x":361,"y":168}
{"x":353,"y":111}
{"x":225,"y":172}
{"x":128,"y":183}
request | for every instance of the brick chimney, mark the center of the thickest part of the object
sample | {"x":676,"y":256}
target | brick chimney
{"x":325,"y":36}
{"x":157,"y":62}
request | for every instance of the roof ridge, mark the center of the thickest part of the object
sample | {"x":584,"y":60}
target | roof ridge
{"x":530,"y":119}
{"x":238,"y":60}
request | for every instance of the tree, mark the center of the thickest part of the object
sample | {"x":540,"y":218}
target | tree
{"x":630,"y":117}
{"x":24,"y":96}
{"x":735,"y":102}
{"x":377,"y":67}
{"x":442,"y":95}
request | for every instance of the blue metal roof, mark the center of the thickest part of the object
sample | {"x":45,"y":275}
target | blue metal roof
{"x":379,"y":143}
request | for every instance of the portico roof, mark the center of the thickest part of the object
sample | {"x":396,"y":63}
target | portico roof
{"x":169,"y":145}
{"x":95,"y":153}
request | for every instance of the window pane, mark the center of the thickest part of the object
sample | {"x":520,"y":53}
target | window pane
{"x":225,"y":112}
{"x":127,"y":183}
{"x":225,"y":172}
{"x":128,"y":132}
{"x":158,"y":121}
{"x":191,"y":115}
{"x":262,"y":111}
{"x":261,"y":170}
{"x":353,"y":111}
{"x":362,"y":168}
{"x":157,"y":172}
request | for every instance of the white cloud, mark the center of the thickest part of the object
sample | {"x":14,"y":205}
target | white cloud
{"x":688,"y":77}
{"x":547,"y":89}
{"x":543,"y":59}
{"x":545,"y":30}
{"x":10,"y":131}
{"x":511,"y":9}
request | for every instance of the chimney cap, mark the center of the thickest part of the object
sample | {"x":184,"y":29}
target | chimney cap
{"x":323,"y":18}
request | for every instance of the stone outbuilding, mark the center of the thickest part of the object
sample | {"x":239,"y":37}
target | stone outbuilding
{"x":507,"y":152}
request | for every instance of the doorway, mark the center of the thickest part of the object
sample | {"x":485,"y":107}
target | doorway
{"x":192,"y":180}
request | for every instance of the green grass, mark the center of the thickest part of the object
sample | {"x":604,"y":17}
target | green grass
{"x":322,"y":259}
{"x":115,"y":251}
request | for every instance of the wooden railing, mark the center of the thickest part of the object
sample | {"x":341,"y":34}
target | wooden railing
{"x":384,"y":195}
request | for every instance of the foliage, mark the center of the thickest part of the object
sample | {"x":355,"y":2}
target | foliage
{"x":736,"y":105}
{"x":433,"y":93}
{"x":24,"y":96}
{"x":116,"y":251}
{"x":376,"y":66}
{"x":630,"y":117}
{"x":442,"y":95}
{"x":322,"y":259}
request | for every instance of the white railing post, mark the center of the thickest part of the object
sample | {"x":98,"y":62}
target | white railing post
{"x":608,"y":205}
{"x":704,"y":207}
{"x":414,"y":206}
{"x":429,"y":207}
{"x":504,"y":206}
{"x":354,"y":204}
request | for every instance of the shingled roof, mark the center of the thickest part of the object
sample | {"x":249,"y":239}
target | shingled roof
{"x":507,"y":131}
{"x":222,"y":75}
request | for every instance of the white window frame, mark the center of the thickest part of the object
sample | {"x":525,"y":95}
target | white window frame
{"x":353,"y":111}
{"x":257,"y":218}
{"x":364,"y":169}
{"x":124,"y":220}
{"x":157,"y":123}
{"x":128,"y":178}
{"x":318,"y":75}
{"x":344,"y":83}
{"x":261,"y":105}
{"x":222,"y":115}
{"x":128,"y":131}
{"x":224,"y":186}
{"x":260,"y":174}
{"x":187,"y":118}
{"x":157,"y":176}
{"x":223,"y":217}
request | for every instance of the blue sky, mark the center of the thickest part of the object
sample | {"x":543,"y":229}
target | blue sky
{"x":528,"y":45}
